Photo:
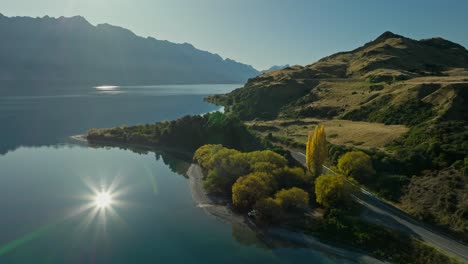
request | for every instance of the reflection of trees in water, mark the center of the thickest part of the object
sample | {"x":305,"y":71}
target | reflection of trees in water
{"x":246,"y":236}
{"x":263,"y":238}
{"x":178,"y":162}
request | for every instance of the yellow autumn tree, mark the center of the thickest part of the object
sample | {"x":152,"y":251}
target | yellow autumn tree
{"x":316,"y":150}
{"x":333,"y":190}
{"x":308,"y":151}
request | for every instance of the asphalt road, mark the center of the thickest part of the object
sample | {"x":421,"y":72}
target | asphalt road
{"x":380,"y":212}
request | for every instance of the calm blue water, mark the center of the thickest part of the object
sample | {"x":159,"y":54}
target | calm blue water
{"x":48,"y":214}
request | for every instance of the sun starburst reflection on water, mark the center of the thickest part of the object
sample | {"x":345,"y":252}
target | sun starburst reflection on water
{"x":101,"y":202}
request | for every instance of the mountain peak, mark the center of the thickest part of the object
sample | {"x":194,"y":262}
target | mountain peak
{"x":78,"y":20}
{"x":387,"y":35}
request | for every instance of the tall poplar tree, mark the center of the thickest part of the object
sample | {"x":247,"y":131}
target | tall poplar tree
{"x":316,"y":150}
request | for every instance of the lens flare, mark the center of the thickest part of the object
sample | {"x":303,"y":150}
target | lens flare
{"x":103,"y":200}
{"x":107,"y":87}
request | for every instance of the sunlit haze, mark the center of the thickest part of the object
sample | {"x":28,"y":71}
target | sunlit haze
{"x":262,"y":32}
{"x":233,"y":131}
{"x":103,"y":200}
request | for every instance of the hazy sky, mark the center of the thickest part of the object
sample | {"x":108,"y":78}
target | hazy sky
{"x":265,"y":32}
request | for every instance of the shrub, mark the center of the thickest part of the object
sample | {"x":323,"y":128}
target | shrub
{"x":263,"y":166}
{"x":268,"y":211}
{"x":266,"y":156}
{"x":204,"y":154}
{"x":292,"y":177}
{"x":356,"y":164}
{"x":247,"y":190}
{"x":225,"y":166}
{"x":293,"y":199}
{"x":333,"y":190}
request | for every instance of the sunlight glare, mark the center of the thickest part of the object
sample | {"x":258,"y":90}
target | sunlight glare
{"x":103,"y":200}
{"x":107,"y":87}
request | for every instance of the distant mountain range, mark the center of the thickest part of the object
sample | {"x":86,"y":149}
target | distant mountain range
{"x":71,"y":49}
{"x":274,"y":68}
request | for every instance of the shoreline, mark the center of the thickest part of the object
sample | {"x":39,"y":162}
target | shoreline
{"x":218,"y":207}
{"x":215,"y":206}
{"x":82,"y":138}
{"x":211,"y":204}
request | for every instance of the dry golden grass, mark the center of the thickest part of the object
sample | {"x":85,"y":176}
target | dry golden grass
{"x":441,"y":79}
{"x":341,"y":132}
{"x":342,"y":93}
{"x":349,"y":94}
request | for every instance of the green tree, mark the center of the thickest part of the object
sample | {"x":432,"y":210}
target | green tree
{"x":263,"y":167}
{"x":204,"y":154}
{"x":288,"y":177}
{"x":316,"y":150}
{"x":247,"y":190}
{"x":333,"y":190}
{"x":225,"y":167}
{"x":356,"y":164}
{"x":266,"y":156}
{"x":293,"y":199}
{"x":268,"y":211}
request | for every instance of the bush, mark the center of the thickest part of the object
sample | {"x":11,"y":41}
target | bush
{"x":263,"y":166}
{"x":293,"y":199}
{"x":412,"y":112}
{"x":204,"y":154}
{"x":225,"y":166}
{"x":432,"y":145}
{"x":268,"y":211}
{"x":333,"y":190}
{"x":249,"y":189}
{"x":292,"y":177}
{"x":266,"y":156}
{"x":356,"y":164}
{"x":440,"y":197}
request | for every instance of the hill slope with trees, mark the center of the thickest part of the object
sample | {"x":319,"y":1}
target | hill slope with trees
{"x":430,"y":76}
{"x":393,"y":80}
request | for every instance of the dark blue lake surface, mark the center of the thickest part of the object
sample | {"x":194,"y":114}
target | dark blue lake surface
{"x":48,"y":183}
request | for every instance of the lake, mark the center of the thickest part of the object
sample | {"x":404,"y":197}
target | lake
{"x":48,"y":183}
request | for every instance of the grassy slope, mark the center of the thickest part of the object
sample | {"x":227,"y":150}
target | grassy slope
{"x":346,"y":80}
{"x":420,"y":86}
{"x":341,"y":132}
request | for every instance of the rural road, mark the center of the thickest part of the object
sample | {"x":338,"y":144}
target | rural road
{"x":383,"y":213}
{"x":212,"y":206}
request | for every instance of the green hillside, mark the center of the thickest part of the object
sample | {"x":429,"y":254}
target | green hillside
{"x":390,"y":71}
{"x":419,"y":85}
